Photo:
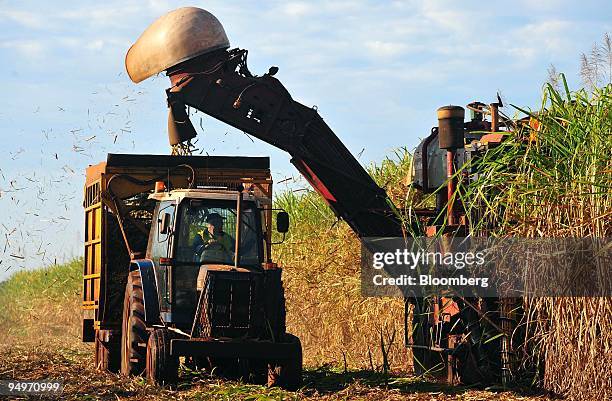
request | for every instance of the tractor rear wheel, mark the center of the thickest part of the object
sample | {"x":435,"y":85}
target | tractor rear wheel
{"x":134,"y":333}
{"x":162,"y":368}
{"x":287,"y":373}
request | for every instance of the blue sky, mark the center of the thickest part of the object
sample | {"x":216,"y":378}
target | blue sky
{"x":376,"y":70}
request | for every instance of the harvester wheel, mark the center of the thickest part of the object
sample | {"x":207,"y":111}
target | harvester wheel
{"x":475,"y":360}
{"x":134,"y":333}
{"x":288,"y":372}
{"x":162,"y":368}
{"x":425,"y":362}
{"x":108,"y":355}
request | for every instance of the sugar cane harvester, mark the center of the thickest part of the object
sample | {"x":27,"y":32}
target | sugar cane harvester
{"x":178,"y":248}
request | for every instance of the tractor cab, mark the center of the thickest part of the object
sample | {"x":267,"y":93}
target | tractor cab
{"x":198,"y":233}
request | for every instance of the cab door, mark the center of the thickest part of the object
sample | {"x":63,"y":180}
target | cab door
{"x":160,"y":247}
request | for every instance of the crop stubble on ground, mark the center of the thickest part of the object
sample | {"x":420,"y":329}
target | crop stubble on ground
{"x":73,"y":364}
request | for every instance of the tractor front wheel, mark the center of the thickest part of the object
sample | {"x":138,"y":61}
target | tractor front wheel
{"x":287,"y":373}
{"x":162,"y":368}
{"x":134,"y":333}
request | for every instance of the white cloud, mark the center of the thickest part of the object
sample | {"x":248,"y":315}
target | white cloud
{"x":449,"y":15}
{"x":107,"y":15}
{"x":96,"y":44}
{"x":543,"y":5}
{"x":343,"y":6}
{"x":30,"y":49}
{"x":552,"y":35}
{"x":25,"y":18}
{"x":161,"y":6}
{"x":522,"y":55}
{"x":385,"y":49}
{"x":297,"y":9}
{"x":543,"y":42}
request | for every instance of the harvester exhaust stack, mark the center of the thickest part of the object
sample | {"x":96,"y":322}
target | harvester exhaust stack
{"x":451,"y":137}
{"x":450,"y":123}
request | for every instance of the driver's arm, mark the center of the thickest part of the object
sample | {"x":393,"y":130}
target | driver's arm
{"x":197,"y":241}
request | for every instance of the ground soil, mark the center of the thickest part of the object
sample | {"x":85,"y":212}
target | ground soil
{"x":73,"y":363}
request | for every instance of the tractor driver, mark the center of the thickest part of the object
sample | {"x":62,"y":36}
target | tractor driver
{"x":213,"y":244}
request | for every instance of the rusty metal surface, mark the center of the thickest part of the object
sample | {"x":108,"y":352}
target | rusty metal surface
{"x":494,"y":109}
{"x":173,"y":38}
{"x":495,"y":138}
{"x":450,"y":187}
{"x":450,"y":127}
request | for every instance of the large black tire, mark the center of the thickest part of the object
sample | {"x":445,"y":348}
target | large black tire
{"x":476,"y":361}
{"x":479,"y":359}
{"x":425,"y":362}
{"x":287,"y":373}
{"x":162,"y":368}
{"x":107,"y":355}
{"x":134,"y":333}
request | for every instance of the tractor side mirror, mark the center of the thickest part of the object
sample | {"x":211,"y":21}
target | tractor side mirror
{"x":282,"y":222}
{"x":164,"y":227}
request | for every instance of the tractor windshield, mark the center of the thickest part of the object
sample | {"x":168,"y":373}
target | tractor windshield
{"x":207,"y":233}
